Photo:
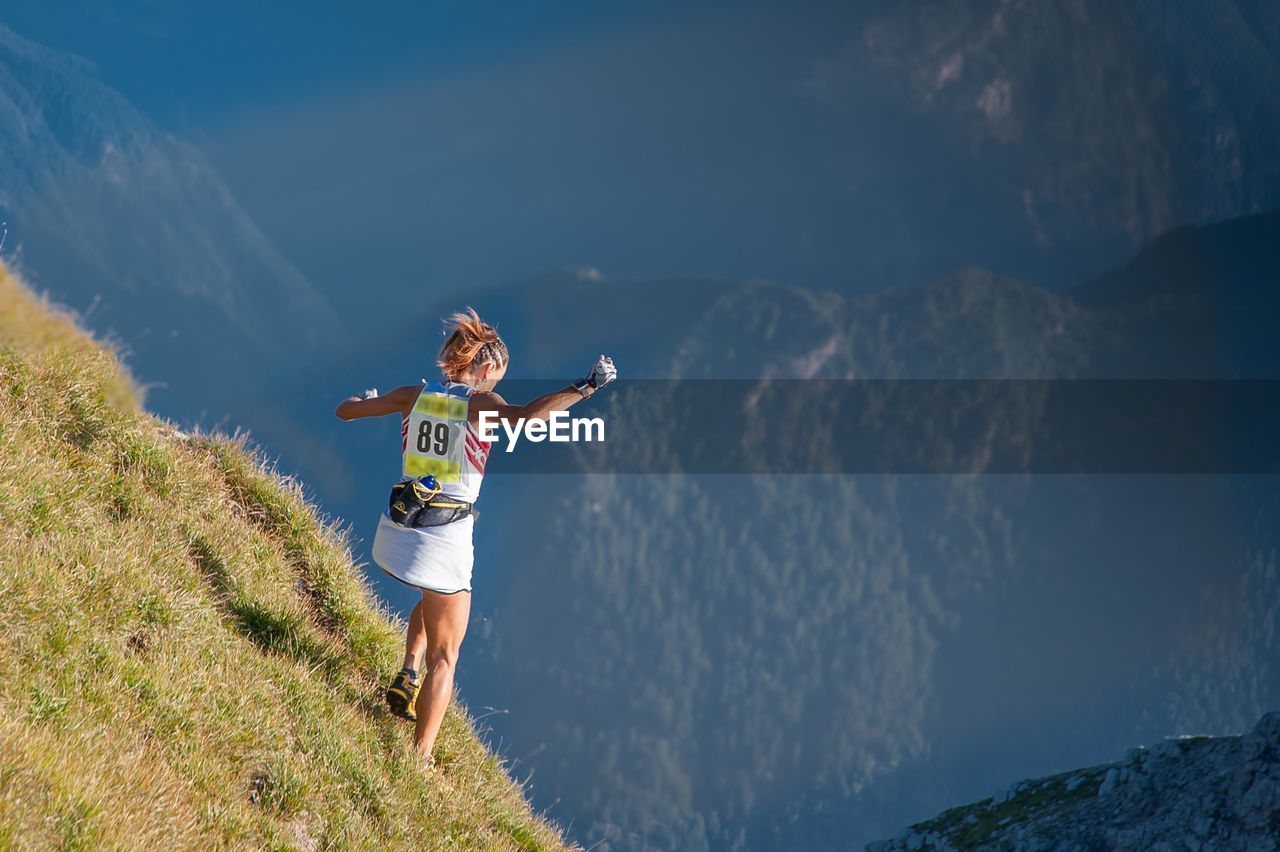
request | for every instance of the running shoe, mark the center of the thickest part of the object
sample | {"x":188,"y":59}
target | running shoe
{"x":401,"y":696}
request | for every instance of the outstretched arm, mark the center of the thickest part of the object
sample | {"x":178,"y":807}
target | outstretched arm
{"x":398,"y":401}
{"x":538,"y":409}
{"x":602,"y":372}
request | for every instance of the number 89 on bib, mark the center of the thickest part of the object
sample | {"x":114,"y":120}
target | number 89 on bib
{"x":435,"y":439}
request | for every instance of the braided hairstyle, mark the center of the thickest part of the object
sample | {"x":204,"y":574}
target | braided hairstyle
{"x":471,"y":342}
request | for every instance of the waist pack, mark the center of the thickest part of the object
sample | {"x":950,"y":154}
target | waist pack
{"x":419,"y":503}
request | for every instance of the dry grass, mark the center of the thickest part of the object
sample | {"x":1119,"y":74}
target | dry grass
{"x":188,"y":656}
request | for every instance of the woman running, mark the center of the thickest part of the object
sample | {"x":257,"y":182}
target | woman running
{"x":424,"y":538}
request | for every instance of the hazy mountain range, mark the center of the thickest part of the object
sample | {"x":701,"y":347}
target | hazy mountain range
{"x":787,"y":660}
{"x":795,"y":661}
{"x":133,"y":228}
{"x":850,"y":146}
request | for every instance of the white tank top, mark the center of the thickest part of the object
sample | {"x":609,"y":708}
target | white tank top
{"x":436,"y":438}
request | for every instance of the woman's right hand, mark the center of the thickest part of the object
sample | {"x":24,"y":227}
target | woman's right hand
{"x":370,"y":404}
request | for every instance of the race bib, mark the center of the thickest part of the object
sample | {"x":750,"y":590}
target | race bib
{"x":435,"y":436}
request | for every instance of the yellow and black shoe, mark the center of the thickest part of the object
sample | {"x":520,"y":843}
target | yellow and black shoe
{"x":402,"y":694}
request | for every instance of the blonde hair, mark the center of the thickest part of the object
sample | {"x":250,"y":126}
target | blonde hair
{"x":471,"y":342}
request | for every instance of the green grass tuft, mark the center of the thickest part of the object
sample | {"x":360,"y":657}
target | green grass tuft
{"x":971,"y":826}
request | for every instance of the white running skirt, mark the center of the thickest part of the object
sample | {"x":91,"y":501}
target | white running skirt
{"x":437,"y":559}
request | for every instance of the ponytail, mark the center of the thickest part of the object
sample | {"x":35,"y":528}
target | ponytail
{"x":471,"y":342}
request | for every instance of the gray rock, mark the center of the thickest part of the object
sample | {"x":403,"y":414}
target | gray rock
{"x":1213,"y":793}
{"x":1109,"y":783}
{"x":1268,"y":727}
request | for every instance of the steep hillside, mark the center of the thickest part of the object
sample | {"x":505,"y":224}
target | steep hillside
{"x":1184,"y":793}
{"x":189,"y":657}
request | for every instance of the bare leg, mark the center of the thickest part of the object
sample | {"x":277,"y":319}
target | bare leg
{"x":445,"y":617}
{"x":416,"y":640}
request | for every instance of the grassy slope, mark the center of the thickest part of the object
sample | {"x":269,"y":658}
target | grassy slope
{"x":200,"y":676}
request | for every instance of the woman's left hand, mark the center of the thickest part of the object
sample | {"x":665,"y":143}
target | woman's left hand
{"x":602,"y":372}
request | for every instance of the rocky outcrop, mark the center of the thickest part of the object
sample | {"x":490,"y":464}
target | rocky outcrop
{"x":1193,"y":793}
